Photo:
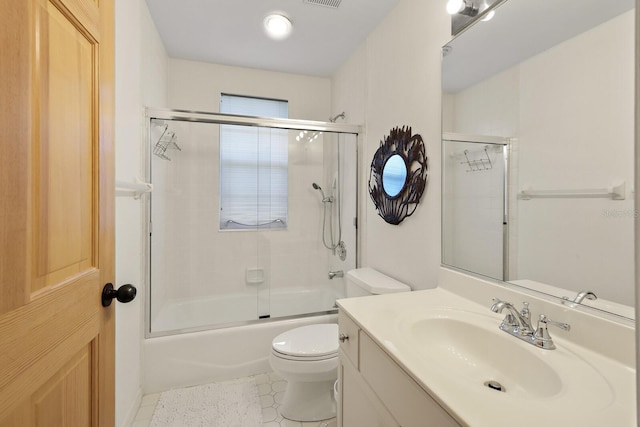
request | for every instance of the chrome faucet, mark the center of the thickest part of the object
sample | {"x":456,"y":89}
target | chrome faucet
{"x":338,"y":273}
{"x":515,"y":321}
{"x":518,"y":324}
{"x":582,"y":295}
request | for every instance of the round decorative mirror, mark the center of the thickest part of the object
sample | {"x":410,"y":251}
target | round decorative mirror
{"x":394,"y":175}
{"x":398,"y":175}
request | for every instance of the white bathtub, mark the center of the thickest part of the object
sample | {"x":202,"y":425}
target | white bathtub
{"x":220,"y":354}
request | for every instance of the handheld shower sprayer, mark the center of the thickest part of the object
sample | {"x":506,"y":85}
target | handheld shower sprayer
{"x":324,"y":198}
{"x":327,"y":221}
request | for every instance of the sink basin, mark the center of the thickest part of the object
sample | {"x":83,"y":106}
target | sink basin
{"x":468,"y":348}
{"x":451,"y":346}
{"x":482,"y":355}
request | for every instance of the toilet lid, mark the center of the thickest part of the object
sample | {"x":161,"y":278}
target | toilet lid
{"x":308,"y":341}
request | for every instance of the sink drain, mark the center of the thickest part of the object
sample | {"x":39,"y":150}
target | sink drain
{"x":495,"y":385}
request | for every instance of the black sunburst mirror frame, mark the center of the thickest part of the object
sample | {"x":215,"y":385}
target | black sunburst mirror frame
{"x":400,"y":141}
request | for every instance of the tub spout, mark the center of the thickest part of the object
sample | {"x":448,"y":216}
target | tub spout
{"x":338,"y":273}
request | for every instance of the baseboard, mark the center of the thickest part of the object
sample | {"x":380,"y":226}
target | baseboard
{"x":132,"y":410}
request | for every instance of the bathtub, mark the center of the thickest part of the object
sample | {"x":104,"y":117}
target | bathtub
{"x":201,"y":357}
{"x":224,"y":310}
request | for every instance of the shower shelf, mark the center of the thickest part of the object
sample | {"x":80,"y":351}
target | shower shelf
{"x":617,"y":192}
{"x":168,"y":140}
{"x":483,"y":163}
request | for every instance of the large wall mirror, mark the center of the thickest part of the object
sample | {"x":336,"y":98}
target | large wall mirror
{"x":552,"y":82}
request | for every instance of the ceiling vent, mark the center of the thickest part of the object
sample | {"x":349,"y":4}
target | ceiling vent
{"x":327,"y":3}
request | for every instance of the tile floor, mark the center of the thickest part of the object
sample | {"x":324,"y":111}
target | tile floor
{"x":270,"y":389}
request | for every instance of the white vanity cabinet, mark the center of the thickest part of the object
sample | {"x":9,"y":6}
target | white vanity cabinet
{"x":374,"y":391}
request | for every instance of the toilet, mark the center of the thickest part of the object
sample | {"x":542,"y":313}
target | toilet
{"x":307,"y":356}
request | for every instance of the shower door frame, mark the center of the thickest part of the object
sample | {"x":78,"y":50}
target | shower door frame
{"x":506,"y":144}
{"x":240,"y":120}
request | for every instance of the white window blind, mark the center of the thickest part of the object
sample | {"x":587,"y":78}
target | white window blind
{"x":253,"y":166}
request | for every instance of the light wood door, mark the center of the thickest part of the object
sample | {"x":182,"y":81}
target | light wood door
{"x":56,"y":212}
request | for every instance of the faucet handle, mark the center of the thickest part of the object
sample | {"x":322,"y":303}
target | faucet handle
{"x":525,"y":311}
{"x":561,"y":325}
{"x":541,"y":338}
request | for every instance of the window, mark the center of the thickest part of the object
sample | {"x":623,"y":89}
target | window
{"x":253,"y":166}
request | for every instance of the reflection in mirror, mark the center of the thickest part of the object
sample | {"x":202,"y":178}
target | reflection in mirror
{"x":557,"y":78}
{"x":473,"y":170}
{"x":394,"y":175}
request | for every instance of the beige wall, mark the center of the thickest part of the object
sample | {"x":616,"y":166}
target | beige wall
{"x":393,"y":79}
{"x":141,"y":73}
{"x":197,"y":86}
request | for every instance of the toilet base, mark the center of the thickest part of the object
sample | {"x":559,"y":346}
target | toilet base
{"x":309,"y":401}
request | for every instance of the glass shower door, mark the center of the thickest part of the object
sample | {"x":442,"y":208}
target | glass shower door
{"x":199,"y":274}
{"x":321,"y":233}
{"x":238,"y":233}
{"x":474,"y":203}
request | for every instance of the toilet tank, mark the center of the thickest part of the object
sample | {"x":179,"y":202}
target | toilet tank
{"x":367,"y":281}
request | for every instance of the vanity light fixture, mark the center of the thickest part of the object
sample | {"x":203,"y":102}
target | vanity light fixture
{"x":462,"y":7}
{"x":277,"y":26}
{"x":489,"y":15}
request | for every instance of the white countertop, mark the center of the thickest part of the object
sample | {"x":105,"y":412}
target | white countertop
{"x":610,"y":401}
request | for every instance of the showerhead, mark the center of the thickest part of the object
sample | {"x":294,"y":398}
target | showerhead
{"x":339,"y":116}
{"x":324,"y":198}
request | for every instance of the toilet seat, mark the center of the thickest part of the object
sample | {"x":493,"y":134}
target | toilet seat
{"x":307,"y":343}
{"x":303,"y":358}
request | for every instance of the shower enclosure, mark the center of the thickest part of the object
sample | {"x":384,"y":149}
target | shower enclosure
{"x":239,"y":235}
{"x":475,"y":229}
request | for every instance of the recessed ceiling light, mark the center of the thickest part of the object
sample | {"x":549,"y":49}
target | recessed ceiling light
{"x":277,"y":26}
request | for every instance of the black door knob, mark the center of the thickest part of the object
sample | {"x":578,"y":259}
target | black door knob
{"x":124,"y":293}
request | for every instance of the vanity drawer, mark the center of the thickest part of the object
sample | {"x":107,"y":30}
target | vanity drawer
{"x":349,"y":345}
{"x":405,"y":399}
